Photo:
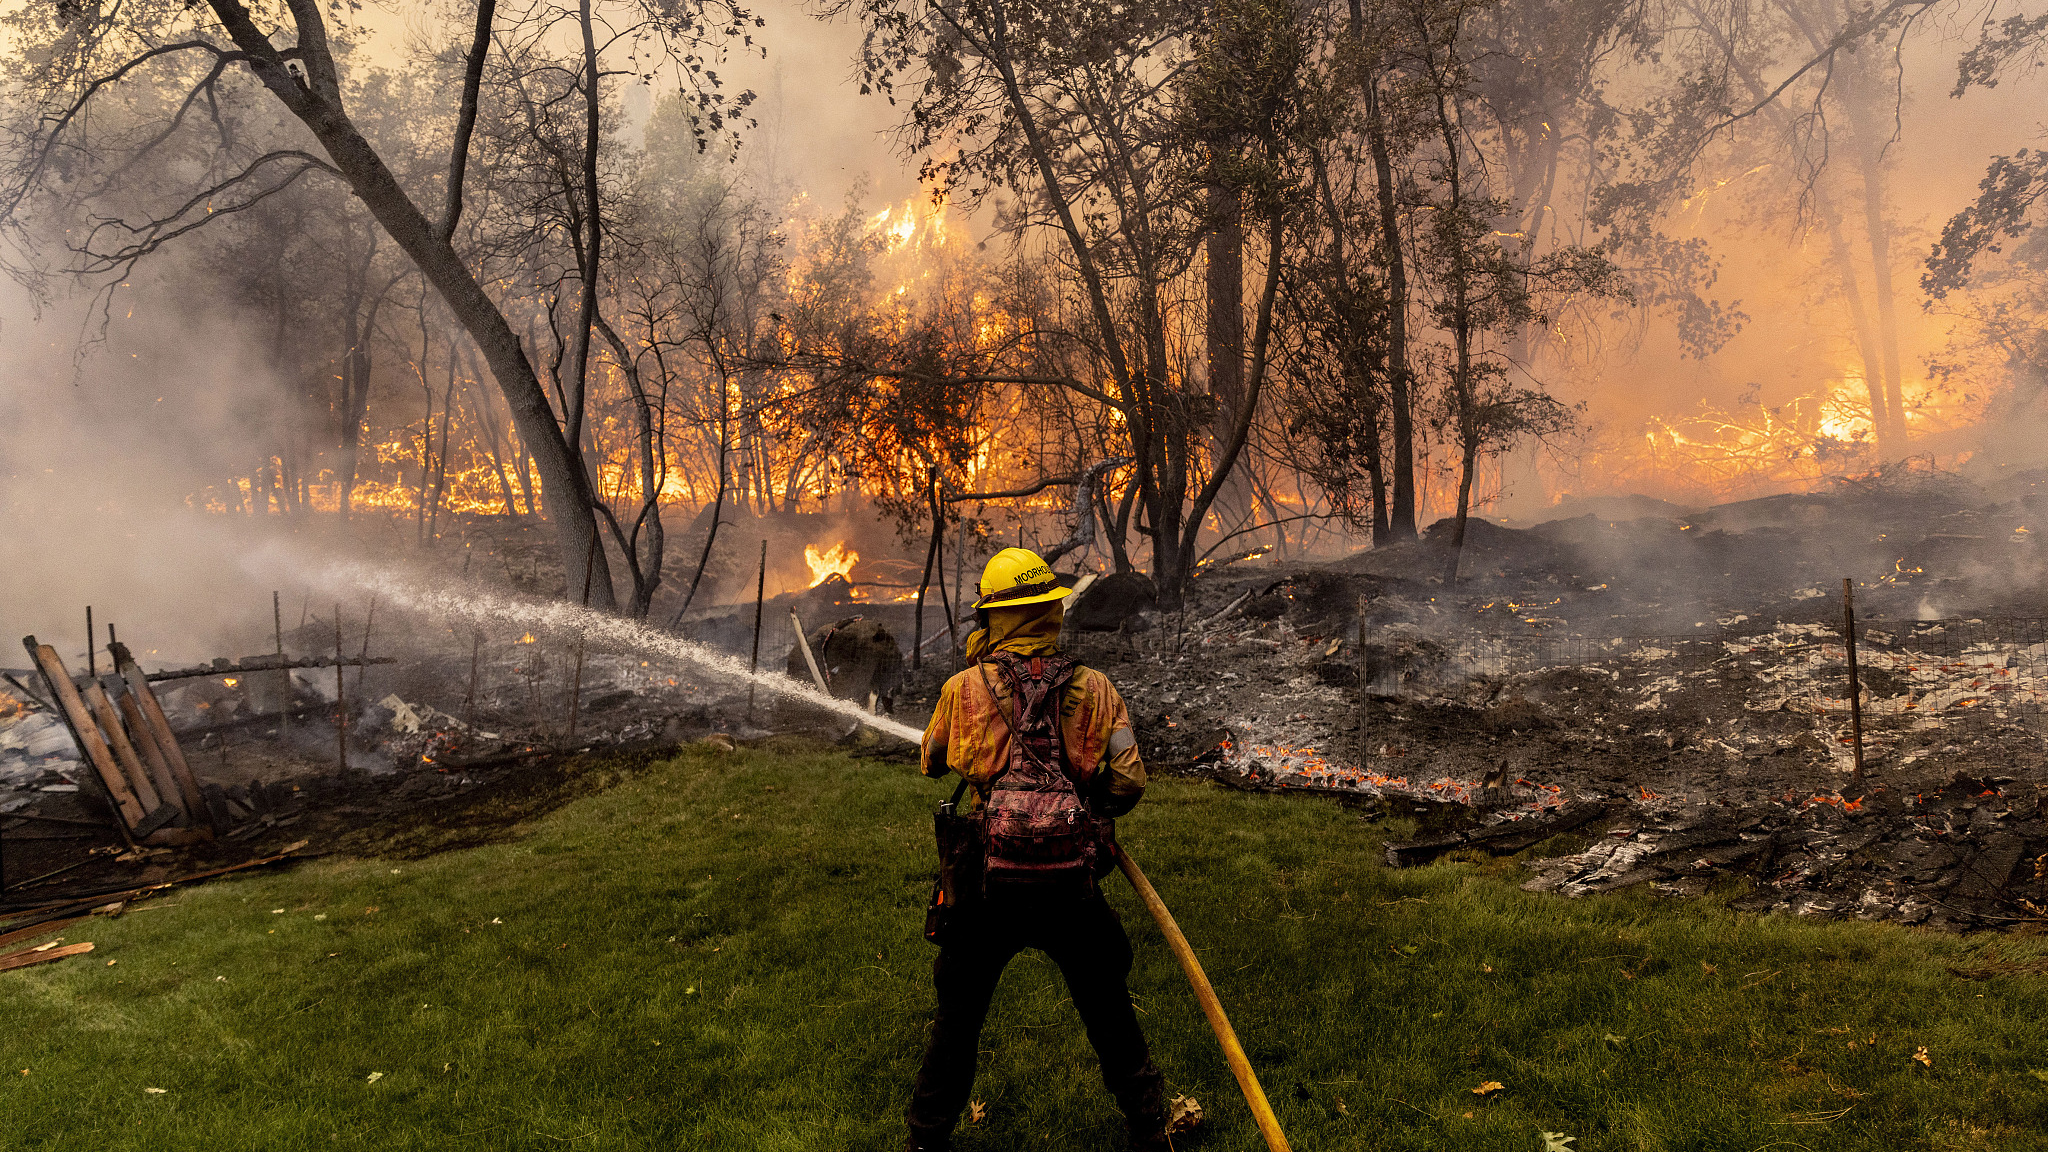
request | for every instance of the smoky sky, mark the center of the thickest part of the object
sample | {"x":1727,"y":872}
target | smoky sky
{"x":99,"y":453}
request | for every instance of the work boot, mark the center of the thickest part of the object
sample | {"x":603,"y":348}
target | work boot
{"x":1145,"y":1120}
{"x":1149,"y":1139}
{"x":1143,"y":1105}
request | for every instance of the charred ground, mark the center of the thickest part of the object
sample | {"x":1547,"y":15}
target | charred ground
{"x":1635,"y":693}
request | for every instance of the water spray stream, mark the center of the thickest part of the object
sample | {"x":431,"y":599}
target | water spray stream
{"x":623,"y":635}
{"x":595,"y":628}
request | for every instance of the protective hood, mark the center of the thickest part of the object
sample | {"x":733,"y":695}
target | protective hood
{"x":1028,"y":630}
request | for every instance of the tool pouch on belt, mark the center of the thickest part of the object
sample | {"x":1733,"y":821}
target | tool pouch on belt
{"x":960,"y":848}
{"x":1040,"y":833}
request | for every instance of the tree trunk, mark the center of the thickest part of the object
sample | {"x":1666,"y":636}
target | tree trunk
{"x":419,"y":519}
{"x":704,"y":557}
{"x":1357,"y":377}
{"x":348,"y":420}
{"x":646,"y":572}
{"x":1225,"y":328}
{"x":317,"y":104}
{"x":924,"y":583}
{"x":1891,"y":429}
{"x":441,"y":462}
{"x":1859,"y":318}
{"x":522,"y":471}
{"x":590,"y":250}
{"x":725,"y":438}
{"x":1401,"y":525}
{"x":426,"y":425}
{"x":1467,"y":462}
{"x":1870,"y":130}
{"x":494,"y":446}
{"x":1460,"y":289}
{"x":1117,"y":529}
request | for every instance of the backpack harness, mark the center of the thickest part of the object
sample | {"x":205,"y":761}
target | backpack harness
{"x":1034,"y":829}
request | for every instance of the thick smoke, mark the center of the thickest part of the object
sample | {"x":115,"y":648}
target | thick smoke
{"x":104,"y":455}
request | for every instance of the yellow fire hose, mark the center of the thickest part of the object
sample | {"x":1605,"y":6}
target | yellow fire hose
{"x":1247,"y":1080}
{"x":1233,"y":1053}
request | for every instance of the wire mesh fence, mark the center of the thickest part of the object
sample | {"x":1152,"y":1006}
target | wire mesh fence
{"x":1504,"y":653}
{"x":2026,"y":636}
{"x":1913,"y":665}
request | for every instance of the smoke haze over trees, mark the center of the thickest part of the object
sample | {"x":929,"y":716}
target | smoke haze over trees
{"x":1323,"y":271}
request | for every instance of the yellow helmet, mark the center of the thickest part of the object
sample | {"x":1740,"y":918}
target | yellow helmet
{"x":1015,"y":577}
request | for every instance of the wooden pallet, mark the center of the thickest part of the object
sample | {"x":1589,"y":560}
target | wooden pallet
{"x":136,"y":764}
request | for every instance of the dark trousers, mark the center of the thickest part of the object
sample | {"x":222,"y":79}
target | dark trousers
{"x":1087,"y":941}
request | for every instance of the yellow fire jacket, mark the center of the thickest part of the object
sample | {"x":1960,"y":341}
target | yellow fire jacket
{"x":968,"y":737}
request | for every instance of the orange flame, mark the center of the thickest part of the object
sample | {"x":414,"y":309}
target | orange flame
{"x":838,"y":561}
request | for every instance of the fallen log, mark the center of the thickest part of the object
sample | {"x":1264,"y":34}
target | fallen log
{"x":1498,"y":839}
{"x":222,"y":666}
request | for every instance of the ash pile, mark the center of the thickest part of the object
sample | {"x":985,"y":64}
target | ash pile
{"x":369,"y":731}
{"x":1639,"y":694}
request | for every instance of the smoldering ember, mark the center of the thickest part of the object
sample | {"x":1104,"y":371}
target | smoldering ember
{"x":1533,"y":494}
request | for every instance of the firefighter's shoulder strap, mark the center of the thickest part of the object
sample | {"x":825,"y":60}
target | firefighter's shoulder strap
{"x":1065,"y":670}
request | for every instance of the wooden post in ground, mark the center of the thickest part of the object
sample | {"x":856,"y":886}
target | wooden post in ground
{"x":924,"y":582}
{"x":284,"y":675}
{"x":1855,"y":689}
{"x":576,"y":691}
{"x":1364,"y":694}
{"x":803,"y":642}
{"x":939,"y":555}
{"x":160,"y":729}
{"x":99,"y":759}
{"x":91,"y":665}
{"x":340,"y":699}
{"x":363,"y":657}
{"x":476,"y":646}
{"x":760,"y":595}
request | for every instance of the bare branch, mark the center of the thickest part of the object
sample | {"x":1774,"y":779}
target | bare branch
{"x":1852,"y":31}
{"x":156,"y":233}
{"x":465,"y":119}
{"x":32,"y":178}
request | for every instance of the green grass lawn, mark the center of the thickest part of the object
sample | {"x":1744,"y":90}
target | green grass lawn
{"x":725,"y":952}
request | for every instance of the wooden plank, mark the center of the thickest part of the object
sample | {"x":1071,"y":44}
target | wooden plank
{"x":81,"y":904}
{"x":117,"y":738}
{"x":17,"y":937}
{"x":30,"y":959}
{"x":85,"y":733}
{"x":177,"y":837}
{"x":166,"y":741}
{"x":152,"y":756}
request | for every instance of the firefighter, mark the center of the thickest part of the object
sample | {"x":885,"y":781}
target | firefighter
{"x":1047,"y":749}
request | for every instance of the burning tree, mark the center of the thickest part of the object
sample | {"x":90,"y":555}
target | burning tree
{"x":71,"y":59}
{"x":1094,"y":115}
